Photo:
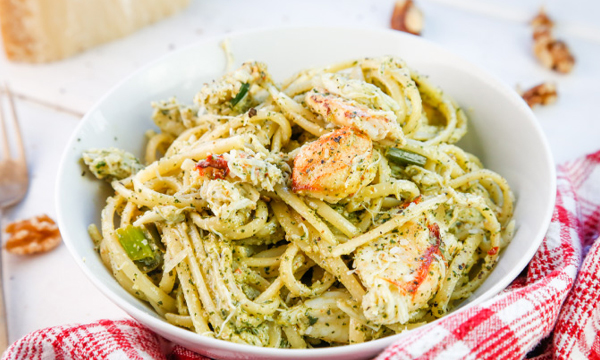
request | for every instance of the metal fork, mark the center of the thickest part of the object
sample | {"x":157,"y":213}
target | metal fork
{"x":14,"y":181}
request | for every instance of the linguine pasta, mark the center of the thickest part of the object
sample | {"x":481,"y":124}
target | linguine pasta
{"x":331,"y":209}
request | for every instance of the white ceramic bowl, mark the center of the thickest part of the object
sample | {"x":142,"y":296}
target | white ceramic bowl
{"x":502,"y":132}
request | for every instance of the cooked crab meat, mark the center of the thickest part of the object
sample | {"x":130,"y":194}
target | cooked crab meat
{"x":235,"y":92}
{"x":174,"y":118}
{"x":230,"y":202}
{"x":357,"y":90}
{"x":334,"y":166}
{"x":258,"y":169}
{"x":402,"y":272}
{"x":111,"y":163}
{"x":378,"y":124}
{"x":319,"y":317}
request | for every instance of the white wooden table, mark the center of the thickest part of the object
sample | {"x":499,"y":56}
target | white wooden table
{"x":50,"y":289}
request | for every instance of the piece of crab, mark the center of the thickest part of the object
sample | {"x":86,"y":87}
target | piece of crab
{"x":357,"y":90}
{"x":235,"y":92}
{"x":111,"y":163}
{"x":378,"y":124}
{"x":319,"y":317}
{"x":401,"y":271}
{"x":174,"y":118}
{"x":257,"y":169}
{"x":334,"y":166}
{"x":229,"y":202}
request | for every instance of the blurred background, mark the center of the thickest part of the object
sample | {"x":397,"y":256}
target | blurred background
{"x":51,"y":97}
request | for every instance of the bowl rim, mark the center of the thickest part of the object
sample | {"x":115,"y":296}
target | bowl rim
{"x":212,"y":343}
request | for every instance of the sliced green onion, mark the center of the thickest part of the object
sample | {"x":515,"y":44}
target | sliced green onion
{"x":243,"y":91}
{"x":403,"y":157}
{"x":135,"y":243}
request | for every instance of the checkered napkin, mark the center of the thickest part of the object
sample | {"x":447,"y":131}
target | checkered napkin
{"x":552,"y":311}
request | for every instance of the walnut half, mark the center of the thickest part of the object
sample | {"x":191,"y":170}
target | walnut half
{"x":39,"y":234}
{"x":542,"y":20}
{"x":407,"y":17}
{"x":542,"y":94}
{"x":553,"y":54}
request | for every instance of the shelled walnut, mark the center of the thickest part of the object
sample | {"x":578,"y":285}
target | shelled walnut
{"x":407,"y":17}
{"x":542,"y":20}
{"x":30,"y":236}
{"x":553,"y":54}
{"x":542,"y":94}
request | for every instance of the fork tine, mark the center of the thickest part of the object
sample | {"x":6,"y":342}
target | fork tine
{"x":13,"y":110}
{"x":5,"y":144}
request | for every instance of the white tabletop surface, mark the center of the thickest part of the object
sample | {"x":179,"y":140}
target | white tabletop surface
{"x":49,"y":289}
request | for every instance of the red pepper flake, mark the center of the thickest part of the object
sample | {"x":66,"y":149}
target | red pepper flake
{"x":214,"y":167}
{"x":493,"y":251}
{"x":415,"y":201}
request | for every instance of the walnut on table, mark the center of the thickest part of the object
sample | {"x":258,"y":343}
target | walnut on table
{"x":542,"y":19}
{"x":553,"y":54}
{"x":542,"y":94}
{"x":30,"y":236}
{"x":407,"y":17}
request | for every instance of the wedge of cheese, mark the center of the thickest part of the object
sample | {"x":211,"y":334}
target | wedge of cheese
{"x":48,"y":30}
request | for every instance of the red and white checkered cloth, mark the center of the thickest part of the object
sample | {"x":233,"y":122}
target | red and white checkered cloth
{"x":551,"y":312}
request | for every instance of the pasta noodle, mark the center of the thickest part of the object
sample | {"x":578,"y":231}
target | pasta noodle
{"x":332,"y":209}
